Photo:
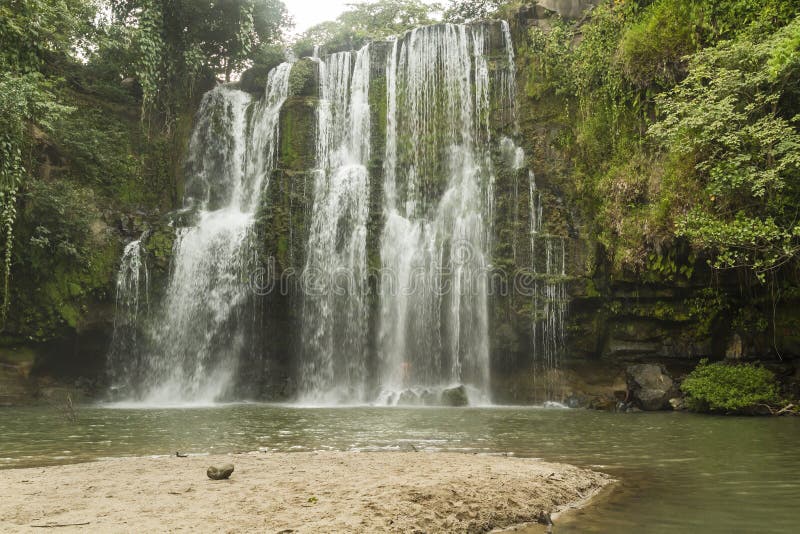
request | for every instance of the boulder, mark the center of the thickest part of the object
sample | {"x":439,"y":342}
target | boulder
{"x":650,"y":387}
{"x":254,"y":79}
{"x":408,"y":398}
{"x":456,"y":396}
{"x":220,"y":473}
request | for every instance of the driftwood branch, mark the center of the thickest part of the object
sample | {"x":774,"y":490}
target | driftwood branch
{"x":790,"y":409}
{"x":57,"y":525}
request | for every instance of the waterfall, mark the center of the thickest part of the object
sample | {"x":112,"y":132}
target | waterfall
{"x":548,"y":270}
{"x":550,"y":302}
{"x":194,"y":341}
{"x":335,"y":310}
{"x":437,"y":207}
{"x":132,"y":290}
{"x":406,"y":185}
{"x":548,"y":258}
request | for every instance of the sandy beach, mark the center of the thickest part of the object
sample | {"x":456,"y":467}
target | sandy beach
{"x":293,"y":492}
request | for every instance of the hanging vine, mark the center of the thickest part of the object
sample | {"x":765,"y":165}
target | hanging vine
{"x":151,"y":52}
{"x":8,"y":215}
{"x":12,"y":106}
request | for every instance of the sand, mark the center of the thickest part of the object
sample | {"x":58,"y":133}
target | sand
{"x":292,"y":492}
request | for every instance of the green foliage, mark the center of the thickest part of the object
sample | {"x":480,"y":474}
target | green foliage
{"x":721,"y":387}
{"x":749,"y":319}
{"x":726,"y":117}
{"x":784,"y":59}
{"x":732,"y":16}
{"x":587,"y":73}
{"x":63,"y":214}
{"x":471,"y":10}
{"x":553,"y":53}
{"x":254,"y":80}
{"x":366,"y":21}
{"x":652,"y":49}
{"x":99,"y":147}
{"x":269,"y":56}
{"x":67,"y":255}
{"x":719,"y":169}
{"x":180,"y":43}
{"x":61,"y":168}
{"x":301,"y":74}
{"x":24,"y":99}
{"x":705,"y":308}
{"x":34,"y":33}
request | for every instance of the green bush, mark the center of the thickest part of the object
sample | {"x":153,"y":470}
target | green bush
{"x":652,"y":49}
{"x":721,"y":387}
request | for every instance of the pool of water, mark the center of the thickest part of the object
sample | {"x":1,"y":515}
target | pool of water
{"x":678,"y":472}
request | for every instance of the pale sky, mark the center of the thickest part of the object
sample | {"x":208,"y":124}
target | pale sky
{"x":307,"y":13}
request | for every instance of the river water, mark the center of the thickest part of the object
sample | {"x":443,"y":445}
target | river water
{"x":678,"y":472}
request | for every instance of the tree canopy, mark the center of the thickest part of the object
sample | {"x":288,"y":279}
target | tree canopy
{"x":471,"y":10}
{"x":367,"y":21}
{"x":179,"y":42}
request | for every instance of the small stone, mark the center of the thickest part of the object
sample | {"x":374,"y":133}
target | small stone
{"x":677,"y":404}
{"x":221,"y":472}
{"x":544,"y":518}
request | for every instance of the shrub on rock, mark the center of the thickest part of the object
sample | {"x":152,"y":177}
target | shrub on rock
{"x":726,"y":388}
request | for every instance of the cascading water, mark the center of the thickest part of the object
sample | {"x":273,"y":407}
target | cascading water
{"x":437,"y":207}
{"x":426,"y":214}
{"x":132,"y":291}
{"x":548,"y":288}
{"x":548,"y":261}
{"x":194,"y":342}
{"x":335,"y":311}
{"x":549,"y":303}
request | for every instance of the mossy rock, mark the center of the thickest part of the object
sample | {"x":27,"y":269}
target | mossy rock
{"x":456,"y":396}
{"x":254,"y":79}
{"x":159,"y":244}
{"x":304,"y":79}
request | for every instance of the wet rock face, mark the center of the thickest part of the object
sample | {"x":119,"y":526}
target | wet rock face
{"x":650,"y":387}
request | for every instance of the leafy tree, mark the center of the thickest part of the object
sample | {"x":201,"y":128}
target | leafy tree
{"x":471,"y":10}
{"x":34,"y":33}
{"x":180,"y":42}
{"x":35,"y":36}
{"x":380,"y":19}
{"x":367,"y":21}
